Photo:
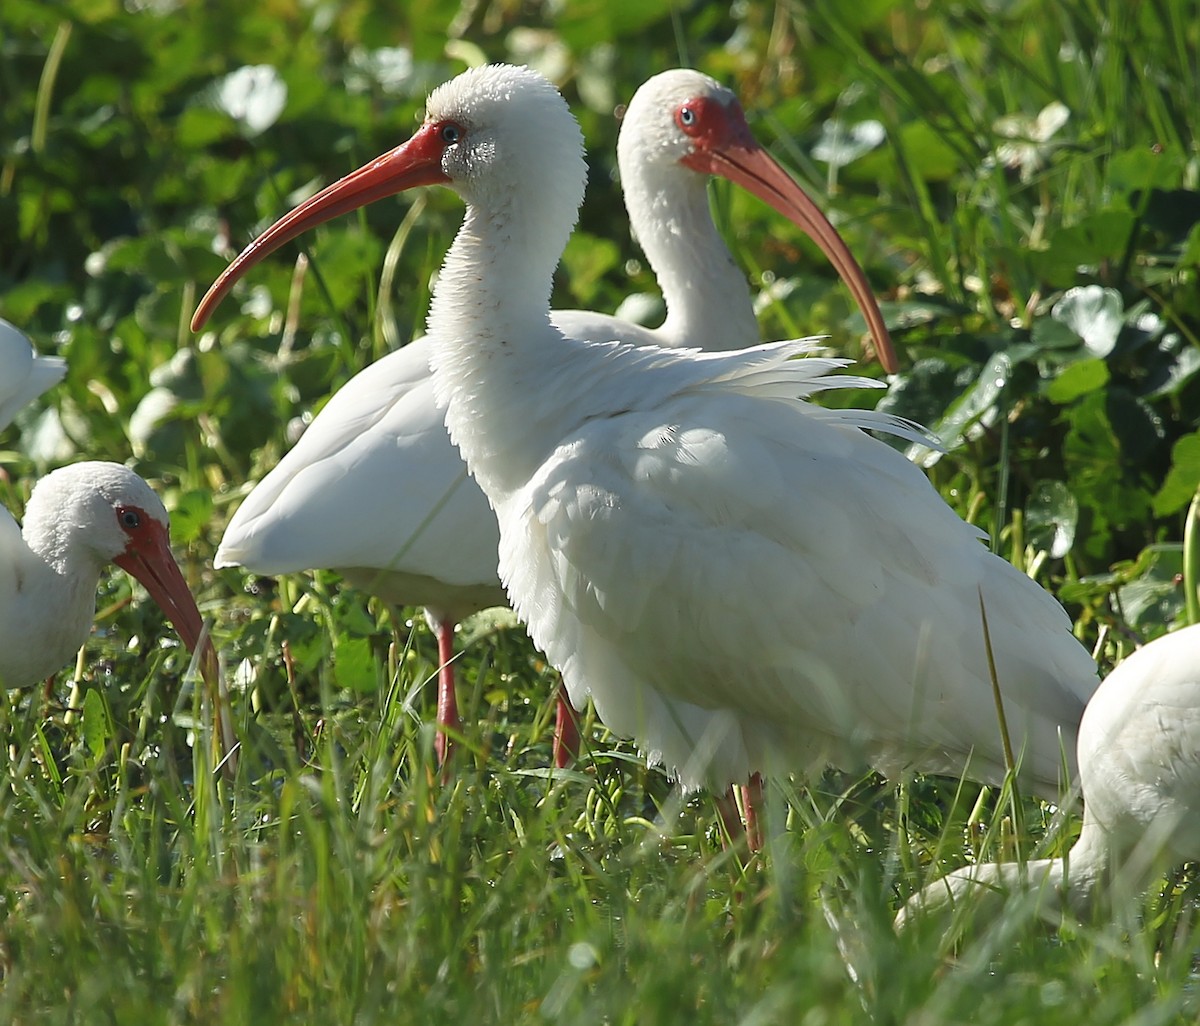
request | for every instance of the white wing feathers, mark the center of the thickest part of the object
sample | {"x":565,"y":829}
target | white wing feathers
{"x":23,"y":374}
{"x":373,"y":480}
{"x":629,"y":542}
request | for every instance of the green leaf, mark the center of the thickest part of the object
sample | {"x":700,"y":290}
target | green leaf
{"x":1051,"y":516}
{"x":586,"y":260}
{"x":1138,"y":426}
{"x":97,"y":724}
{"x":1182,"y":479}
{"x":1051,"y":333}
{"x":191,"y":516}
{"x":976,"y":406}
{"x":583,"y":22}
{"x":1155,"y":598}
{"x":931,"y":156}
{"x":1095,"y":459}
{"x":1087,"y":243}
{"x":1075,"y":380}
{"x":1190,"y":257}
{"x":354,"y":664}
{"x":1145,"y":168}
{"x":1176,"y":363}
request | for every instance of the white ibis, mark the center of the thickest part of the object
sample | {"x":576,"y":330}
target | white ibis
{"x":740,"y":580}
{"x":411,"y":526}
{"x":23,"y":374}
{"x":78,"y":519}
{"x":1139,"y":769}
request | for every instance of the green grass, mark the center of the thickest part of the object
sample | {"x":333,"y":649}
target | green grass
{"x":328,"y":878}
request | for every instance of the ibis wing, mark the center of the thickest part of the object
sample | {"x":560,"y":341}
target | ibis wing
{"x":791,"y":572}
{"x":373,"y":482}
{"x":23,"y":375}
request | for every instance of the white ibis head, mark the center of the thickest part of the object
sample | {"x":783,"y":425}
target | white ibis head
{"x":475,"y":138}
{"x":95,"y":513}
{"x":684,"y":117}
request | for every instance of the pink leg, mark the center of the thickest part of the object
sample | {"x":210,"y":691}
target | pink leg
{"x":752,"y":796}
{"x":731,"y":817}
{"x":447,"y":707}
{"x":566,"y":730}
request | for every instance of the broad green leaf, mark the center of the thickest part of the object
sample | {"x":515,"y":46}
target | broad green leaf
{"x":1155,"y":598}
{"x":1076,"y":379}
{"x":1182,"y":479}
{"x":350,"y":612}
{"x":1144,"y":168}
{"x":97,"y":724}
{"x":1190,"y":257}
{"x":1051,"y":516}
{"x":1050,"y":333}
{"x":354,"y":664}
{"x":927,"y":389}
{"x":191,"y":515}
{"x":1172,"y":212}
{"x":975,"y":408}
{"x":933,"y":159}
{"x":1179,"y":362}
{"x":1139,"y":427}
{"x":1087,"y":243}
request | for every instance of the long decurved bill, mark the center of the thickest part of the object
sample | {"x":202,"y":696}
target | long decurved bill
{"x":150,"y":562}
{"x":416,"y":162}
{"x":730,"y":150}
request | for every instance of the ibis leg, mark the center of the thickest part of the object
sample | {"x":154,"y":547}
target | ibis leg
{"x":447,"y":706}
{"x":752,"y":797}
{"x":732,"y":816}
{"x":566,"y":730}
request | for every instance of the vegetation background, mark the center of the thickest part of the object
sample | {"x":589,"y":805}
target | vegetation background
{"x":1021,"y":180}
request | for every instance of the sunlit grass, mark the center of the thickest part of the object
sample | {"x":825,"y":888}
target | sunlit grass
{"x":329,"y":876}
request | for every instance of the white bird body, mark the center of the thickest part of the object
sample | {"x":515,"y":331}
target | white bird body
{"x":1139,"y":750}
{"x":740,"y":580}
{"x":79,"y":519}
{"x":1139,"y":770}
{"x":377,"y":463}
{"x":698,"y":535}
{"x":413,"y":527}
{"x":375,"y":489}
{"x":23,"y":374}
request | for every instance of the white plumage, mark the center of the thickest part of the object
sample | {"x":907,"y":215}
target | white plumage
{"x":79,"y":519}
{"x":740,"y":580}
{"x":23,"y":374}
{"x":375,"y":489}
{"x":1139,"y":768}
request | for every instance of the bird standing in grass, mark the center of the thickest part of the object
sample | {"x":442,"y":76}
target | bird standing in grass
{"x":740,"y":580}
{"x":412,"y":527}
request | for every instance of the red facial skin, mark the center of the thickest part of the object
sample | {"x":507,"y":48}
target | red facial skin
{"x":148,"y":559}
{"x":725,"y":146}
